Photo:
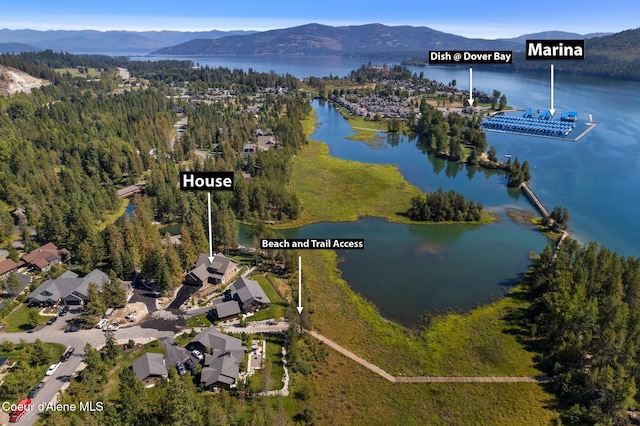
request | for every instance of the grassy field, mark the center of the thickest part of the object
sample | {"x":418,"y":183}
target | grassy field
{"x":331,"y":189}
{"x":483,"y":342}
{"x":18,"y":320}
{"x":346,"y":393}
{"x":93,"y":72}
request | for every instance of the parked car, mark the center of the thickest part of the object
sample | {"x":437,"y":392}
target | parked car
{"x":52,"y":369}
{"x":102,"y":323}
{"x":63,"y":311}
{"x":31,"y":330}
{"x":21,"y":408}
{"x":34,"y":390}
{"x":196,"y":353}
{"x":72,"y":329}
{"x":52,"y":320}
{"x":190,"y":365}
{"x":112,"y":327}
{"x":181,"y":369}
{"x":67,"y":355}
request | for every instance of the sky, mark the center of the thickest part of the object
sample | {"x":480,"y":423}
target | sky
{"x":476,"y":19}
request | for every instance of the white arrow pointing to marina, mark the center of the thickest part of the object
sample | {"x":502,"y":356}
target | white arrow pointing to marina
{"x":210,"y":237}
{"x":470,"y":86}
{"x":552,"y":109}
{"x":300,"y":308}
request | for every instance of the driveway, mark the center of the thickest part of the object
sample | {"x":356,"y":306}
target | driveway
{"x":174,"y":353}
{"x":144,"y":295}
{"x":183,"y":294}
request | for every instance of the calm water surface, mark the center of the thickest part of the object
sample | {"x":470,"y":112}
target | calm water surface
{"x":433,"y":267}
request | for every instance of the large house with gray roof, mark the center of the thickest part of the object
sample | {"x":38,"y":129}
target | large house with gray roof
{"x":223,"y":356}
{"x":219,"y":271}
{"x":150,"y":368}
{"x":249,"y":295}
{"x":68,"y":289}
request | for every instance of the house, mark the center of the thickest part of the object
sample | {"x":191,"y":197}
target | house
{"x":46,"y":256}
{"x":150,"y":368}
{"x":224,"y":354}
{"x":219,"y":271}
{"x":68,"y":289}
{"x":249,"y":294}
{"x":265,"y":143}
{"x":228,"y":309}
{"x":8,"y":266}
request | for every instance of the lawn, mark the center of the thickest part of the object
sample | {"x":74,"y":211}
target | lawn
{"x":275,"y":368}
{"x":18,"y":320}
{"x":201,"y":320}
{"x":124,"y":360}
{"x":276,"y":308}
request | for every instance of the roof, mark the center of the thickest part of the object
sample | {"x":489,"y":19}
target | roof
{"x":216,"y":269}
{"x":248,"y":291}
{"x":223,"y":368}
{"x":227,"y":309}
{"x":149,"y":364}
{"x":67,"y":285}
{"x":200,"y":272}
{"x":7,"y":266}
{"x":44,"y":255}
{"x":218,"y":342}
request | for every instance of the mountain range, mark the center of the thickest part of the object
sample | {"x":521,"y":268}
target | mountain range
{"x":370,"y":39}
{"x":310,"y":39}
{"x":91,"y":41}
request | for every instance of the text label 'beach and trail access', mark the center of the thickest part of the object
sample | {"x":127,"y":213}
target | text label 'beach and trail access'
{"x":470,"y":56}
{"x":311,"y":243}
{"x":206,"y":181}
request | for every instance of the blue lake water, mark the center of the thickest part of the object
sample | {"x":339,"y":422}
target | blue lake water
{"x":406,"y":270}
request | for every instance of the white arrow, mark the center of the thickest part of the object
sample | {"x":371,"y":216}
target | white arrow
{"x":300,"y":308}
{"x":552,"y":110}
{"x":210,"y":238}
{"x":470,"y":86}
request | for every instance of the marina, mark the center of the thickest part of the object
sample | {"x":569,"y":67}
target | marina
{"x":539,"y":124}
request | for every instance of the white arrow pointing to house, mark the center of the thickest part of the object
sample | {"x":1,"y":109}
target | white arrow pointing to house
{"x":210,"y":237}
{"x":470,"y":86}
{"x":552,"y":110}
{"x":300,"y":308}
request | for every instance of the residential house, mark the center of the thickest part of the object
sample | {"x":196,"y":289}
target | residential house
{"x":219,"y":271}
{"x":249,"y":294}
{"x":150,"y":368}
{"x":46,"y":256}
{"x":223,"y":356}
{"x":228,"y":309}
{"x":67,"y":289}
{"x":8,"y":266}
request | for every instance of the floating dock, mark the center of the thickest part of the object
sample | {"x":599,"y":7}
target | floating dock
{"x":539,"y":124}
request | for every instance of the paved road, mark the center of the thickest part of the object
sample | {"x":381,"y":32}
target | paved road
{"x":76,"y":340}
{"x":425,"y":379}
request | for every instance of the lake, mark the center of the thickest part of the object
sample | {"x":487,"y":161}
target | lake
{"x":597,"y":179}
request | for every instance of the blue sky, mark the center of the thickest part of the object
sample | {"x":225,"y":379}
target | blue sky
{"x":485,"y":19}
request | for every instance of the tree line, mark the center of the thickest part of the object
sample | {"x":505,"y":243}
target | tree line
{"x":585,"y":319}
{"x":443,"y":206}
